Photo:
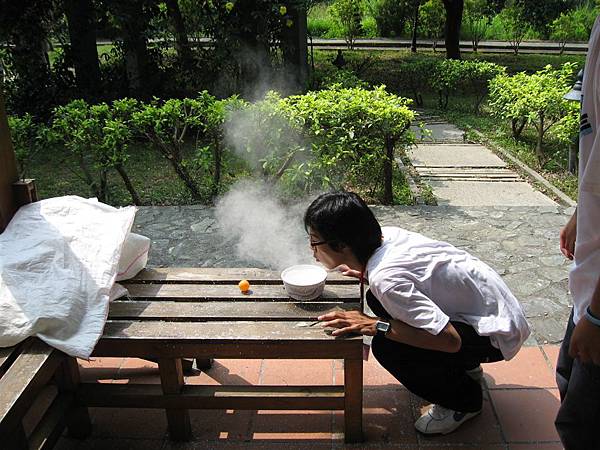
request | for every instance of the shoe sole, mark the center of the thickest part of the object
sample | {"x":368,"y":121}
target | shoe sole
{"x":443,"y":433}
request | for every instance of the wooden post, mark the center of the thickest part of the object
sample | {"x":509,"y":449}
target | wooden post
{"x":8,"y":169}
{"x":78,"y":419}
{"x":353,"y":384}
{"x":171,"y":379}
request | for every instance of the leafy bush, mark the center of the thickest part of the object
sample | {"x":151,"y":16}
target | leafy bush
{"x":432,"y":16}
{"x":353,"y":133}
{"x":475,"y":21}
{"x":574,"y":25}
{"x":349,"y":14}
{"x":535,"y":100}
{"x":390,"y":16}
{"x":97,"y":141}
{"x":451,"y":76}
{"x":28,"y":138}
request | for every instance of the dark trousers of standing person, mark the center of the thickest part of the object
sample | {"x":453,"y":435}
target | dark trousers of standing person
{"x":578,"y":418}
{"x":438,"y":377}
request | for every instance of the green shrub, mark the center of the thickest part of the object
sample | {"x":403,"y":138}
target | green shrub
{"x":390,"y":16}
{"x":432,"y":16}
{"x":573,"y":25}
{"x":349,"y":15}
{"x":353,"y":135}
{"x":535,"y":100}
{"x":29,"y":139}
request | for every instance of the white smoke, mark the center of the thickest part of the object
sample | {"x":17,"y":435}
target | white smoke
{"x":262,"y":228}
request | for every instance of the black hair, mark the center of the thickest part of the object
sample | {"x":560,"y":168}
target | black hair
{"x":343,"y":219}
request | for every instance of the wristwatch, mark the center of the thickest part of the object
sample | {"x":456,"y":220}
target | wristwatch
{"x":382,"y":327}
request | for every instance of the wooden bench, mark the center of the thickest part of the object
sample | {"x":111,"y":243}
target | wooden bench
{"x":38,"y":384}
{"x":200,"y":313}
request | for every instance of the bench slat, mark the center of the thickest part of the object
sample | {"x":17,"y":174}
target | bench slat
{"x":7,"y":355}
{"x":222,"y":311}
{"x":214,"y":275}
{"x":219,"y":331}
{"x":34,"y":366}
{"x":213,"y":397}
{"x":231,"y":293}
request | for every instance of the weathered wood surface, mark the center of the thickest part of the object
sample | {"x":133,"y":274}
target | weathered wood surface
{"x":231,"y":292}
{"x":35,"y":364}
{"x":214,"y":275}
{"x":221,"y":311}
{"x":200,"y":313}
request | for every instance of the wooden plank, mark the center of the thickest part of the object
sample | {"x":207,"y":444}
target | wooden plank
{"x":22,"y":381}
{"x":7,"y":356}
{"x":222,"y":311}
{"x":171,"y":380}
{"x":348,"y":348}
{"x":353,"y":386}
{"x":220,"y":332}
{"x":217,"y":275}
{"x":228,"y":292}
{"x":50,"y":428}
{"x":213,"y":397}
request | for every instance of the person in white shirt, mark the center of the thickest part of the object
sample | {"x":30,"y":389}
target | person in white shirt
{"x":441,"y":312}
{"x":578,"y":366}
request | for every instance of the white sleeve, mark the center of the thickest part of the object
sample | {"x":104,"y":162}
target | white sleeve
{"x":409,"y":305}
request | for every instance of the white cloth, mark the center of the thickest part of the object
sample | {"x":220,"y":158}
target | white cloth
{"x":58,"y":262}
{"x":586,"y":269}
{"x":426,"y":283}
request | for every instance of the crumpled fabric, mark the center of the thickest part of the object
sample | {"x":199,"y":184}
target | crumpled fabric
{"x":58,"y":262}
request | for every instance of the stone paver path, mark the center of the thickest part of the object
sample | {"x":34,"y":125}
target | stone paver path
{"x":464,"y":174}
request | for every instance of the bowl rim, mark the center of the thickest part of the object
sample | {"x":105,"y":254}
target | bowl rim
{"x":299,"y":266}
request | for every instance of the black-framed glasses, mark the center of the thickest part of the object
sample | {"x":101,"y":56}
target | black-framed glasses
{"x":314,"y":244}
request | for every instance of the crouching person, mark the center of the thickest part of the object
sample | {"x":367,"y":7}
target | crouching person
{"x":441,"y":312}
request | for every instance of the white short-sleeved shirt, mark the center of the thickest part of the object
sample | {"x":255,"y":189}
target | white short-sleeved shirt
{"x":586,"y":270}
{"x":426,"y":283}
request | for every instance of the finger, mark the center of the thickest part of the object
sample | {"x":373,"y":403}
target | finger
{"x":342,"y":331}
{"x":338,"y":323}
{"x":330,"y":315}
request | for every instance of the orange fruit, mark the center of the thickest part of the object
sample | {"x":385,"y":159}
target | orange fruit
{"x":244,"y":286}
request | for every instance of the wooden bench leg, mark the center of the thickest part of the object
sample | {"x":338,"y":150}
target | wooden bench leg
{"x":77,"y":420}
{"x":171,"y":379}
{"x":204,"y":363}
{"x":353,"y":390}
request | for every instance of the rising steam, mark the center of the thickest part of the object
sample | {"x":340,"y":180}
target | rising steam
{"x":262,"y":228}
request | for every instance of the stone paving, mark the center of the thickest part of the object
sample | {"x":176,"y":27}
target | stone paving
{"x":521,"y":243}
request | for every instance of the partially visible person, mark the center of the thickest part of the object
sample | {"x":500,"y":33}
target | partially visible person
{"x":440,"y":312}
{"x":578,"y":366}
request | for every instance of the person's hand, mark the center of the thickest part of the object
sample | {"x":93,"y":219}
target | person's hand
{"x":349,"y":322}
{"x":585,"y":342}
{"x":347,"y":271}
{"x":567,"y":237}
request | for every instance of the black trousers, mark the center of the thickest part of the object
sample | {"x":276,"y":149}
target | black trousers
{"x":578,"y":417}
{"x":438,"y":377}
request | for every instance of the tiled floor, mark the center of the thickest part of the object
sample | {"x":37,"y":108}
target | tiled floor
{"x":520,"y":403}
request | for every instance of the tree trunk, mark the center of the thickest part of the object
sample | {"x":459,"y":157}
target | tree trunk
{"x":517,"y":127}
{"x":133,"y":24}
{"x":454,"y":11}
{"x":413,"y":45}
{"x":388,"y":166}
{"x":182,"y":45}
{"x":217,"y":161}
{"x":295,"y":50}
{"x":82,"y":35}
{"x":539,"y":150}
{"x":129,"y":185}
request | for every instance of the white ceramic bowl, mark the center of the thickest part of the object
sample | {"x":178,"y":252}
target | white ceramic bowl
{"x":304,"y":281}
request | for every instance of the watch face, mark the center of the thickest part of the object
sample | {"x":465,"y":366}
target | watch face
{"x":384,"y":327}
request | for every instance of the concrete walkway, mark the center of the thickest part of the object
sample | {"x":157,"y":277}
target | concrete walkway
{"x":465,"y":174}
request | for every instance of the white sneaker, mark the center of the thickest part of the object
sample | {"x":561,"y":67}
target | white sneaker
{"x":440,"y":420}
{"x":476,"y":373}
